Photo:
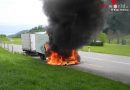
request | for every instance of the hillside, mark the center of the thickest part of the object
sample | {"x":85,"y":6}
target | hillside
{"x":19,"y":33}
{"x":33,"y":30}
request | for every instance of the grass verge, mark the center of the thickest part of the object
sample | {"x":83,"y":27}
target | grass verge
{"x":3,"y":39}
{"x":110,"y":49}
{"x":19,"y":72}
{"x":13,"y":41}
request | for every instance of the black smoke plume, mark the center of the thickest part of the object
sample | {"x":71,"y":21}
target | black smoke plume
{"x":72,"y":23}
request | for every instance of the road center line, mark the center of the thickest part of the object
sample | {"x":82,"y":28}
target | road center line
{"x":108,"y":61}
{"x":94,"y":65}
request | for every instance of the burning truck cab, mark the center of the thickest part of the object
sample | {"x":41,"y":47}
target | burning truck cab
{"x":54,"y":58}
{"x":38,"y":44}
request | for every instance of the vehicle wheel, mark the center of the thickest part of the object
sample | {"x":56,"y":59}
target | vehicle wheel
{"x":27,"y":53}
{"x":31,"y":53}
{"x":79,"y":58}
{"x":42,"y":56}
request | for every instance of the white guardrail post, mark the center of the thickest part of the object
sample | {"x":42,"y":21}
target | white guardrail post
{"x":12,"y":48}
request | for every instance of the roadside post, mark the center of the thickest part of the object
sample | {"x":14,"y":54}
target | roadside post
{"x":0,"y":43}
{"x":8,"y":47}
{"x":89,"y":49}
{"x":4,"y":44}
{"x":12,"y":48}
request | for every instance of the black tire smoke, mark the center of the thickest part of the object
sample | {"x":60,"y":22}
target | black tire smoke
{"x":72,"y":23}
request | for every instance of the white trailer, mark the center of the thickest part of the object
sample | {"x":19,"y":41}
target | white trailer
{"x":34,"y":43}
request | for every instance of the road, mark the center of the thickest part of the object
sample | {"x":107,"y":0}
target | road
{"x":111,"y":66}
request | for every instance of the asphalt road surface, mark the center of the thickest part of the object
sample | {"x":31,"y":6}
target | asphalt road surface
{"x":111,"y":66}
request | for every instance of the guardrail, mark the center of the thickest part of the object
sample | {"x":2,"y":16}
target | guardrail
{"x":12,"y":47}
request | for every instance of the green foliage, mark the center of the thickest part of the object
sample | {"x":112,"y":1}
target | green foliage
{"x":40,"y":28}
{"x":102,"y":37}
{"x":2,"y":36}
{"x":114,"y":22}
{"x":117,"y":24}
{"x":20,"y":72}
{"x":17,"y":36}
{"x":125,"y":37}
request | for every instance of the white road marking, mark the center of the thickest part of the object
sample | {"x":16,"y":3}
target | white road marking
{"x":99,"y":59}
{"x":94,"y":65}
{"x":121,"y":62}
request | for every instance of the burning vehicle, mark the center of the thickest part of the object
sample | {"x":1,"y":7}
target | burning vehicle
{"x":72,"y":24}
{"x":54,"y":58}
{"x":37,"y":44}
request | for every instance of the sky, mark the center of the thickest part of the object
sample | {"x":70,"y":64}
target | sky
{"x":18,"y":15}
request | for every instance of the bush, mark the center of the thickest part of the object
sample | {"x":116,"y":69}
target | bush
{"x":2,"y":36}
{"x":102,"y":37}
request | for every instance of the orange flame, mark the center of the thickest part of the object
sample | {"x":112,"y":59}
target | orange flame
{"x":55,"y":59}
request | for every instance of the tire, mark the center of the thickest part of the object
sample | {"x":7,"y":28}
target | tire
{"x":42,"y":56}
{"x":79,"y":58}
{"x":27,"y":53}
{"x":31,"y":53}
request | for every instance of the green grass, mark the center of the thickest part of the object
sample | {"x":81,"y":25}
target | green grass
{"x":20,"y":72}
{"x":110,"y":49}
{"x":3,"y":39}
{"x":14,"y":41}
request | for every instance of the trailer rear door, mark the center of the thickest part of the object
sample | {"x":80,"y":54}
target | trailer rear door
{"x":41,"y":39}
{"x":26,"y":42}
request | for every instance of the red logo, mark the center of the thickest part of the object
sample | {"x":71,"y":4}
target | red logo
{"x":114,"y":2}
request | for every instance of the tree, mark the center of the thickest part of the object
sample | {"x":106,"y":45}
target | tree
{"x":2,"y":35}
{"x":103,"y":37}
{"x":39,"y":28}
{"x":110,"y":35}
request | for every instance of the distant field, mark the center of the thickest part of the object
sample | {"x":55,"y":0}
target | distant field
{"x":19,"y":72}
{"x":110,"y":49}
{"x":12,"y":40}
{"x":3,"y":39}
{"x":16,"y":41}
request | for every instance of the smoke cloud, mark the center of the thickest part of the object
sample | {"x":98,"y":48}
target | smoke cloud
{"x":72,"y":23}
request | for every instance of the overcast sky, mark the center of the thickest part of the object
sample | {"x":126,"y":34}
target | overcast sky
{"x":17,"y":15}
